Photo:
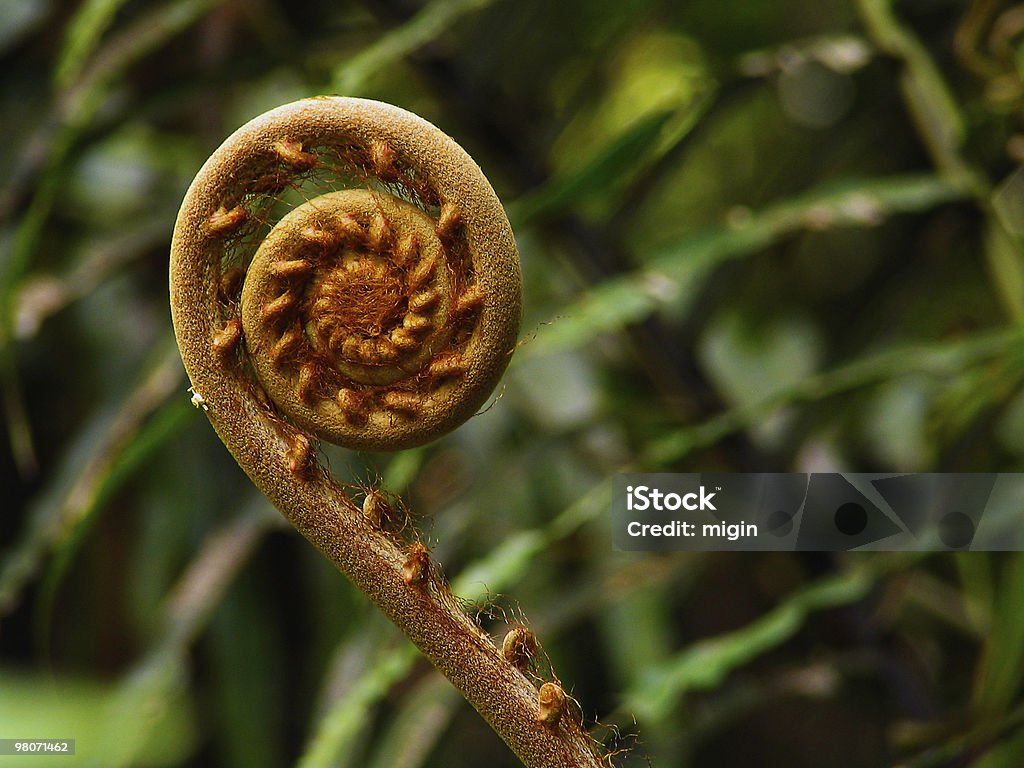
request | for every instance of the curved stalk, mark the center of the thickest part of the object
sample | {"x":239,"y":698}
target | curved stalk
{"x":377,"y":318}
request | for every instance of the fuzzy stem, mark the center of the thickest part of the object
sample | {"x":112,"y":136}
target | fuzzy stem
{"x":330,"y":519}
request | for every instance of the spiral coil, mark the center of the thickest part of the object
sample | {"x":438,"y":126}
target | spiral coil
{"x":364,"y":270}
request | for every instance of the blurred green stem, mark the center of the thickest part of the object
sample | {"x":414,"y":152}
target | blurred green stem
{"x":929,"y":101}
{"x":936,"y":358}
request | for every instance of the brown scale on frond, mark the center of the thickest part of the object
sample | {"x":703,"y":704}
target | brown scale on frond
{"x":308,"y":382}
{"x":277,"y":308}
{"x":301,"y":454}
{"x":291,"y":153}
{"x":381,"y":514}
{"x":224,"y":221}
{"x":401,"y":402}
{"x":446,"y":366}
{"x":519,"y":648}
{"x":382,"y":158}
{"x":423,"y":272}
{"x":225,"y":340}
{"x":551,"y":704}
{"x":448,"y":222}
{"x":353,"y":406}
{"x":291,"y":268}
{"x":404,"y":339}
{"x":379,"y":234}
{"x":334,"y":231}
{"x":416,"y":323}
{"x":468,"y":302}
{"x":416,"y":568}
{"x":349,"y":348}
{"x":407,"y":247}
{"x":271,"y":183}
{"x":423,"y":300}
{"x":336,"y":341}
{"x":375,"y":507}
{"x":378,"y":351}
{"x":288,"y":344}
{"x":367,"y":351}
{"x":351,"y":228}
{"x":318,"y":236}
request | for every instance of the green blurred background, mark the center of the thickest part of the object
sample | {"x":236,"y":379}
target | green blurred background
{"x":756,"y":236}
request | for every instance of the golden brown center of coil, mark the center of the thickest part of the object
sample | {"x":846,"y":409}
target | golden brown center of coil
{"x":345,"y":306}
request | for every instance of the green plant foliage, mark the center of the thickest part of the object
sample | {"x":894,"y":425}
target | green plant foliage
{"x":756,"y":236}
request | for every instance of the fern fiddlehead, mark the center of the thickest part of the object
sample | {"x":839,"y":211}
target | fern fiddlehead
{"x":342,"y":270}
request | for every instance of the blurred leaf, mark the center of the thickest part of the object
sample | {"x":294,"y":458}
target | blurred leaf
{"x":608,"y":173}
{"x":156,"y":433}
{"x":511,"y":560}
{"x":929,"y":100}
{"x":706,"y":663}
{"x":842,"y":53}
{"x":1005,"y":258}
{"x":1010,"y":429}
{"x":675,"y":274}
{"x":748,"y":363}
{"x":992,"y":743}
{"x":402,"y":470}
{"x":895,"y":423}
{"x":1001,"y":670}
{"x":616,"y":162}
{"x":979,"y":588}
{"x":1005,"y":754}
{"x":418,"y":725}
{"x":1008,"y":205}
{"x":977,"y":391}
{"x":85,"y":29}
{"x":41,"y":706}
{"x":246,"y":651}
{"x":639,"y":633}
{"x":936,"y":359}
{"x":43,"y":295}
{"x":348,"y":717}
{"x":432,"y":21}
